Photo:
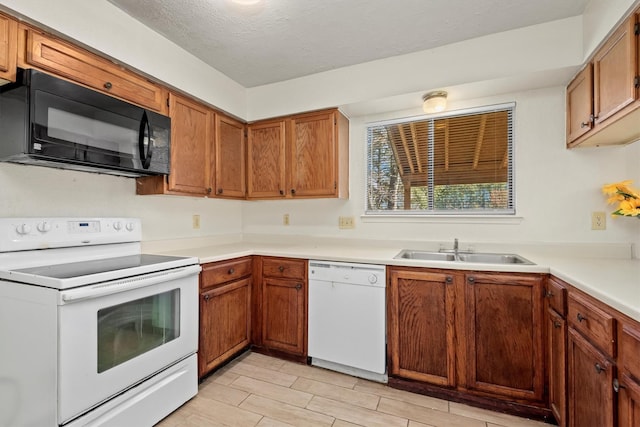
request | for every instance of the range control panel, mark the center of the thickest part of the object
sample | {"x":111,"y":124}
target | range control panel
{"x":19,"y":234}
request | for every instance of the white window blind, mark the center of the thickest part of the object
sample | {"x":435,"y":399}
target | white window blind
{"x":457,"y":163}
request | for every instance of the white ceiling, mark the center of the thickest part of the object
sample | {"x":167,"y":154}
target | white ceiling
{"x":285,"y":39}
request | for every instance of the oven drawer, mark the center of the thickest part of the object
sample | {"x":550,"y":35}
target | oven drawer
{"x":284,"y":268}
{"x":218,"y":273}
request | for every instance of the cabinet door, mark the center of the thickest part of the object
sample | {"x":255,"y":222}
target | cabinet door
{"x":628,"y":402}
{"x":229,"y":157}
{"x":421,"y":323}
{"x":225,"y":323}
{"x":284,"y":314}
{"x":313,"y":155}
{"x":504,"y":335}
{"x":590,"y":377}
{"x":71,"y":62}
{"x":614,"y":70}
{"x":556,"y":363}
{"x":8,"y":48}
{"x":580,"y":104}
{"x":191,"y":141}
{"x":266,"y":160}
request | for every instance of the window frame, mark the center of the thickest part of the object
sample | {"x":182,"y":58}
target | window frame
{"x":498,"y":215}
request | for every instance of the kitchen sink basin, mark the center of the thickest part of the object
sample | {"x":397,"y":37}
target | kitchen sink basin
{"x":477,"y":257}
{"x":426,"y":256}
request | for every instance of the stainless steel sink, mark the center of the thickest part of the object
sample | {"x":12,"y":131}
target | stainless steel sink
{"x":425,"y":256}
{"x":493,"y":258}
{"x":477,"y":257}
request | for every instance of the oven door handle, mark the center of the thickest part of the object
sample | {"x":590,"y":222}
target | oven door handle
{"x":123,"y":285}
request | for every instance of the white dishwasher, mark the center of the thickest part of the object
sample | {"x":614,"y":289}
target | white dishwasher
{"x":347,"y":328}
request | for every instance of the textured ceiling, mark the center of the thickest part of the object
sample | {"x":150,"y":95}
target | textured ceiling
{"x":285,"y":39}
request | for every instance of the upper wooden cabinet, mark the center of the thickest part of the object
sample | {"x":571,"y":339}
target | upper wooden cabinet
{"x":603,"y":100}
{"x":45,"y":52}
{"x":229,"y":157}
{"x":8,"y":47}
{"x":191,"y":147}
{"x":266,"y":154}
{"x":305,"y":155}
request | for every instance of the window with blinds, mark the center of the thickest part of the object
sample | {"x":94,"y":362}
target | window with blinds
{"x":457,"y":163}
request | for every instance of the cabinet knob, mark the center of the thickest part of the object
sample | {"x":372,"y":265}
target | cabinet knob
{"x":108,"y":85}
{"x":232,"y":270}
{"x":282,"y":192}
{"x":580,"y":317}
{"x":299,"y":286}
{"x":293,"y":191}
{"x":207,"y":297}
{"x":471,"y":280}
{"x":599,"y":368}
{"x":556,"y":324}
{"x":281,"y":268}
{"x":219,"y":190}
{"x":548,"y":294}
{"x":617,"y":386}
{"x":585,"y":124}
{"x":209,"y":190}
{"x":449,"y":279}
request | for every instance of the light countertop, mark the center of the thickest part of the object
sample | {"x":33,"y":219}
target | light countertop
{"x":609,"y":274}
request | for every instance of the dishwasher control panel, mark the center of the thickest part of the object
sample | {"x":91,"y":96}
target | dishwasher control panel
{"x":350,"y":273}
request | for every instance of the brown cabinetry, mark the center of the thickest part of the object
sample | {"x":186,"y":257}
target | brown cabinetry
{"x":229,"y":157}
{"x":504,"y":335}
{"x":305,"y":155}
{"x":628,"y":383}
{"x":421,"y":327}
{"x":472,"y":336}
{"x":191,"y":147}
{"x":603,"y":99}
{"x":45,"y":52}
{"x":225,"y":312}
{"x":282,"y":307}
{"x":8,"y":47}
{"x":556,"y":297}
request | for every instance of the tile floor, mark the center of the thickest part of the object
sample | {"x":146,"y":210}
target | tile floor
{"x":258,"y":390}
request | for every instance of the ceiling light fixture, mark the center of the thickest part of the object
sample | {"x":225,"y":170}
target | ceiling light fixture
{"x":434,"y":102}
{"x":246,"y":2}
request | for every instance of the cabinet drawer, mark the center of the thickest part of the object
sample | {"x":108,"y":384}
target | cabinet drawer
{"x":595,"y":324}
{"x":284,"y":268}
{"x":629,"y":349}
{"x":556,"y":294}
{"x":73,"y":63}
{"x":225,"y":271}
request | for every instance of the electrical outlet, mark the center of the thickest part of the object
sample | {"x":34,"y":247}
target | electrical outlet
{"x":196,"y":221}
{"x":285,"y":219}
{"x":346,"y":222}
{"x":598,"y":221}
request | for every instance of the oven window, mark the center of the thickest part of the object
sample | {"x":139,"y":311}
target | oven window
{"x":130,"y":329}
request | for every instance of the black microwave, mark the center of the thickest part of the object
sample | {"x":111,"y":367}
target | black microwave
{"x":48,"y":121}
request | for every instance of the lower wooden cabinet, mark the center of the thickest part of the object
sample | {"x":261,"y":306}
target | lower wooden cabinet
{"x":504,"y":333}
{"x":590,"y":376}
{"x":421,"y":326}
{"x":628,"y":383}
{"x":225,"y":312}
{"x":557,"y":365}
{"x":472,"y":336}
{"x":282,"y":307}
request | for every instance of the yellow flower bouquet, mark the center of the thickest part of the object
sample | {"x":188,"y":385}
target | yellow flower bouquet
{"x":627,"y":198}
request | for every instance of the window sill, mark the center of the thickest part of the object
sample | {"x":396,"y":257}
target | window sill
{"x":443,"y":219}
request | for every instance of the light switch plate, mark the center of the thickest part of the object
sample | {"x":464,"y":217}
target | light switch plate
{"x":346,"y":222}
{"x":598,"y":221}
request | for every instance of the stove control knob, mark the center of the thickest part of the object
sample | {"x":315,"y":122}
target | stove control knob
{"x":44,"y":226}
{"x":117,"y":226}
{"x":130,"y":226}
{"x":373,"y":279}
{"x":23,"y":229}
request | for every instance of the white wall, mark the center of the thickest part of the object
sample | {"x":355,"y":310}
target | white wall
{"x":600,"y":17}
{"x":556,"y":189}
{"x":38,"y":191}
